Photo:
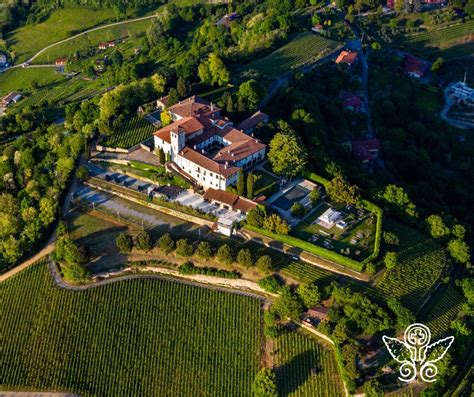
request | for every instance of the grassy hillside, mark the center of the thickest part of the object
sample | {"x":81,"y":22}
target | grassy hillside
{"x":139,"y":337}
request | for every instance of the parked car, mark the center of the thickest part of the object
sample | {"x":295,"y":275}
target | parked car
{"x":295,"y":257}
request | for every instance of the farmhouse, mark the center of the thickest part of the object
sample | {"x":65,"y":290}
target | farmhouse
{"x":318,"y":312}
{"x":329,"y":218}
{"x":227,"y":19}
{"x":206,"y":147}
{"x":415,"y":67}
{"x":365,"y":150}
{"x":352,"y":102}
{"x":107,"y":44}
{"x":8,"y":99}
{"x":347,"y":57}
{"x":248,"y":125}
{"x":229,"y":200}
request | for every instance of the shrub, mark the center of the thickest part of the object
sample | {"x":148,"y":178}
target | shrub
{"x":204,"y":250}
{"x":459,"y":251}
{"x":189,"y":268}
{"x":436,"y":226}
{"x":184,"y":248}
{"x":124,"y":243}
{"x":166,"y":243}
{"x":225,"y":255}
{"x":82,"y":173}
{"x":255,"y":217}
{"x":314,"y":196}
{"x":264,"y":264}
{"x":265,"y":384}
{"x":272,"y":284}
{"x":297,"y":210}
{"x":390,"y":238}
{"x":144,"y":241}
{"x":244,"y":257}
{"x":391,"y":260}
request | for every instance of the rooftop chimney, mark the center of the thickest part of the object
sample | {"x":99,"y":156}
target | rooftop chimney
{"x":195,"y":147}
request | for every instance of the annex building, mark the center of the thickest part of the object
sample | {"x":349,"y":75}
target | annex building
{"x":206,"y":147}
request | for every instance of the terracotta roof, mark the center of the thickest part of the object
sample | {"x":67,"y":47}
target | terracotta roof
{"x":346,"y":57}
{"x":415,"y":66}
{"x":192,"y":106}
{"x":239,"y":150}
{"x":362,"y":149}
{"x":254,"y":120}
{"x":318,"y":312}
{"x":61,"y":61}
{"x":349,"y":99}
{"x":207,"y":163}
{"x":233,"y":200}
{"x":189,"y":125}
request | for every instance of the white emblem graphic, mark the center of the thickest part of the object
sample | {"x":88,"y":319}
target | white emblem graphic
{"x":416,"y":354}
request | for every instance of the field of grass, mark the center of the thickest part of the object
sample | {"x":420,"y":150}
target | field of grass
{"x":451,"y":42}
{"x":306,"y":368}
{"x":25,"y":79}
{"x":264,"y":184}
{"x":421,"y":263}
{"x":442,"y":309}
{"x":133,"y":131}
{"x":91,"y":40}
{"x":61,"y":23}
{"x":304,"y":49}
{"x":142,"y":337}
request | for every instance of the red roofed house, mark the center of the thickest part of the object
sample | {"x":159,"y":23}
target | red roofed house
{"x":347,"y":57}
{"x":248,"y":125}
{"x":107,"y":44}
{"x":318,"y":312}
{"x":415,"y":67}
{"x":366,"y":150}
{"x":61,"y":62}
{"x":352,"y":101}
{"x":205,"y":146}
{"x":229,"y":200}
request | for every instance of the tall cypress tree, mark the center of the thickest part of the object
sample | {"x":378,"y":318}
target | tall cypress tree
{"x":241,"y":183}
{"x":250,"y":184}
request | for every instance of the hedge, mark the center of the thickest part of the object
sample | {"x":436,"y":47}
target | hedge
{"x":189,"y":268}
{"x":314,"y":249}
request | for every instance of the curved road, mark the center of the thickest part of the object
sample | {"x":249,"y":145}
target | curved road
{"x":79,"y":35}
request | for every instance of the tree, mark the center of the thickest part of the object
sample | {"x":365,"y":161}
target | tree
{"x":297,"y":210}
{"x":144,"y":242}
{"x":288,"y":305}
{"x":391,"y":260}
{"x":229,"y":105}
{"x":276,"y":224}
{"x":250,"y":92}
{"x":244,"y":257}
{"x":398,"y":199}
{"x":182,"y":87}
{"x":272,"y":284}
{"x":459,"y":251}
{"x":82,"y":172}
{"x":161,"y":156}
{"x":225,"y":255}
{"x":341,"y":191}
{"x":340,"y":333}
{"x":124,"y":243}
{"x":309,"y":294}
{"x":184,"y":248}
{"x":241,"y":183}
{"x":437,"y":65}
{"x":286,"y":154}
{"x":436,"y":226}
{"x":314,"y":196}
{"x":159,"y":83}
{"x":373,"y":388}
{"x":204,"y":250}
{"x":250,"y":185}
{"x":255,"y":217}
{"x":458,"y":231}
{"x":264,"y":384}
{"x":47,"y":210}
{"x":264,"y":264}
{"x":213,"y":71}
{"x":165,"y":118}
{"x":166,"y":243}
{"x":404,"y":316}
{"x":173,"y":97}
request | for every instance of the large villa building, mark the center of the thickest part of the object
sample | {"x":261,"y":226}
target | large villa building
{"x":206,"y":147}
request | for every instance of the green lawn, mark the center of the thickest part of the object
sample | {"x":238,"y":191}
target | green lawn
{"x":142,"y":337}
{"x":303,"y":49}
{"x":265,"y":184}
{"x":61,"y":23}
{"x":133,"y":131}
{"x":24,"y":79}
{"x":305,"y":367}
{"x":91,"y":40}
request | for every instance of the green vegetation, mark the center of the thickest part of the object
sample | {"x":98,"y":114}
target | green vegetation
{"x":141,"y":329}
{"x":133,"y":131}
{"x":306,"y":368}
{"x":304,"y":49}
{"x":264,"y":184}
{"x":29,"y":79}
{"x":421,"y":262}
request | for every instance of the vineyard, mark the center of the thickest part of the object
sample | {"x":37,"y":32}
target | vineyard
{"x":306,"y":368}
{"x":304,"y":49}
{"x":450,"y":42}
{"x":132,"y":132}
{"x":421,"y":263}
{"x":442,"y":309}
{"x":142,"y":337}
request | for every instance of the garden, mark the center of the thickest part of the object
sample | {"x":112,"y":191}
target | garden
{"x":146,"y":337}
{"x":264,"y":184}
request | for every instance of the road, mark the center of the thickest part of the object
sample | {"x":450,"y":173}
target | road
{"x":79,"y":35}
